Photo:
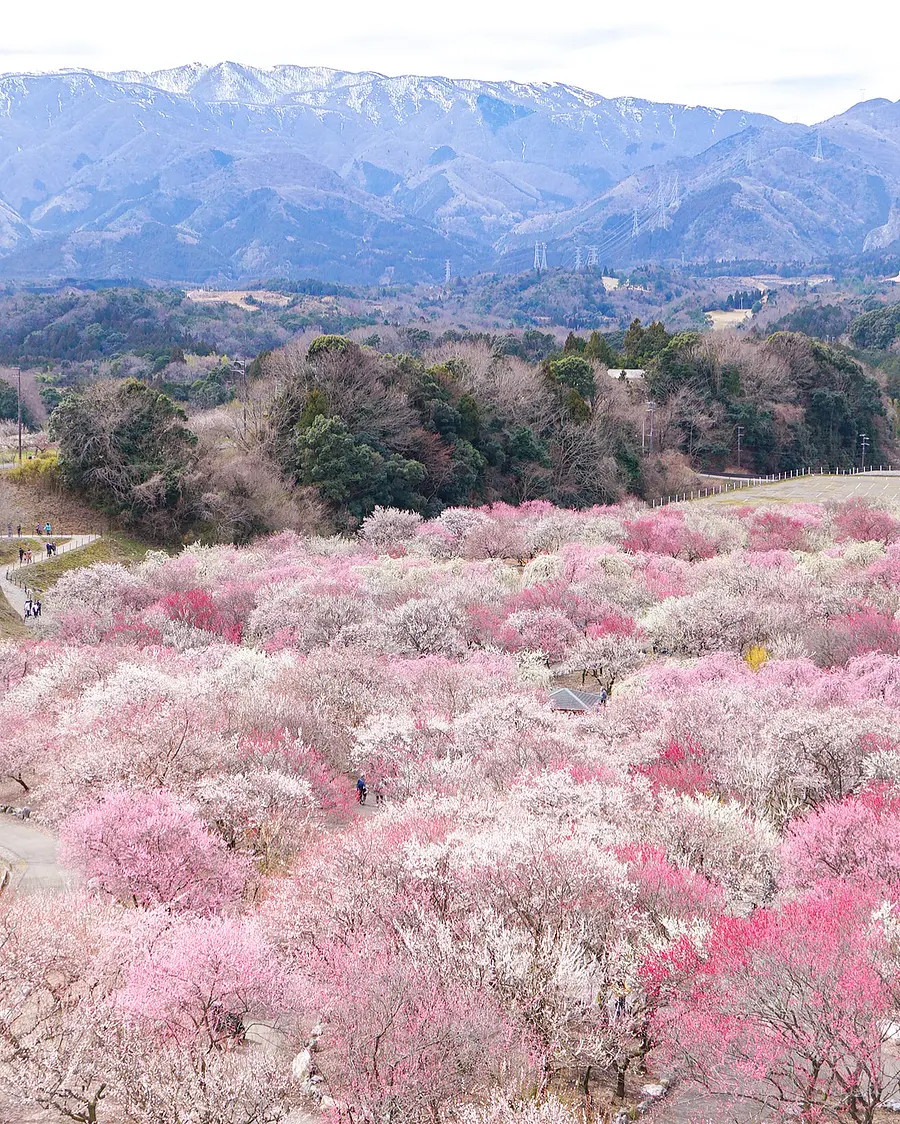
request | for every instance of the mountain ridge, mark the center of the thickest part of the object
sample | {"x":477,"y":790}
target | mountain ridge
{"x":222,"y":173}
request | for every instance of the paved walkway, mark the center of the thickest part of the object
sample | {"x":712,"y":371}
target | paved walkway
{"x":30,"y":856}
{"x":15,"y":593}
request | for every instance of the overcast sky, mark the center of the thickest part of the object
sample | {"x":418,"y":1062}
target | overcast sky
{"x":796,"y":59}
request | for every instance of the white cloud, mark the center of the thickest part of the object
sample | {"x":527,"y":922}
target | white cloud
{"x":787,"y":57}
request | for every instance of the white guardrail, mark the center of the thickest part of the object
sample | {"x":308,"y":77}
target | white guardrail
{"x":736,"y":485}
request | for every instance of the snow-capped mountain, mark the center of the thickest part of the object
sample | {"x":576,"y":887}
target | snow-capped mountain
{"x":233,"y":172}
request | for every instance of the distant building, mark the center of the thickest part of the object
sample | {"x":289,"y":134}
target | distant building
{"x":630,"y":374}
{"x":576,"y":702}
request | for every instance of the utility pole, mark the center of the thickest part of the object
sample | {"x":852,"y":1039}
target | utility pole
{"x":19,"y":404}
{"x":241,"y":365}
{"x":864,"y":444}
{"x":651,"y":407}
{"x":739,"y":430}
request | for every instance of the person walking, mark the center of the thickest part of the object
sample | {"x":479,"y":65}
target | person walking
{"x":9,"y":530}
{"x":35,"y":608}
{"x":47,"y":529}
{"x":28,"y":609}
{"x":21,"y":554}
{"x":361,"y":790}
{"x":19,"y":530}
{"x":49,"y":549}
{"x":378,"y":789}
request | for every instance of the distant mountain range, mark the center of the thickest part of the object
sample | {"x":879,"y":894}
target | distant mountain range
{"x":230,"y":173}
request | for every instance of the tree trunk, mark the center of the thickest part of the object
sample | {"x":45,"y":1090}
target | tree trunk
{"x":621,"y":1067}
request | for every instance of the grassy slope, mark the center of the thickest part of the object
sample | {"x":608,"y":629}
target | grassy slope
{"x":9,"y":548}
{"x":12,"y":627}
{"x":113,"y":547}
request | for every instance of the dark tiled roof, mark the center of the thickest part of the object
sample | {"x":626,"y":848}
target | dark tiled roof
{"x":564,"y":698}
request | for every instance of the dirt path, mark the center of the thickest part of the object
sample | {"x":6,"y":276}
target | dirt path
{"x":14,"y":593}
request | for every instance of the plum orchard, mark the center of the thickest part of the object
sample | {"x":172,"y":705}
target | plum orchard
{"x":700,"y":877}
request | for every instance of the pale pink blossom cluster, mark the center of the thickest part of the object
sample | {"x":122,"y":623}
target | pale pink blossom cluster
{"x":699,"y":876}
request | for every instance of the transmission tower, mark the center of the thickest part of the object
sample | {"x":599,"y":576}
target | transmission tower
{"x":543,"y":255}
{"x":537,"y":256}
{"x":635,"y":224}
{"x":819,"y":155}
{"x":577,"y":259}
{"x":674,"y":198}
{"x":749,"y":153}
{"x":592,"y":257}
{"x":447,"y":271}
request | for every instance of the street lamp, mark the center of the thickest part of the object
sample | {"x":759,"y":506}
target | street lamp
{"x":651,"y":407}
{"x":864,"y":444}
{"x":739,"y":430}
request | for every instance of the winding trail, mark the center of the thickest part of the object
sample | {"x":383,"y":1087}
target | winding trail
{"x":14,"y":593}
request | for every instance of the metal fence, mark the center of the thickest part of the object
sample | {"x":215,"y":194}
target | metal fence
{"x":16,"y":572}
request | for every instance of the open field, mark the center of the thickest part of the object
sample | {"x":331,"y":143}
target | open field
{"x":878,"y":486}
{"x":730,"y":318}
{"x":238,"y":297}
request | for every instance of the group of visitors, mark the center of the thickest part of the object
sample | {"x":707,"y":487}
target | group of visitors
{"x":46,"y":529}
{"x":362,"y":791}
{"x":27,"y":556}
{"x":32,"y":608}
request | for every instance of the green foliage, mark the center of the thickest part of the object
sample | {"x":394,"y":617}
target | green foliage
{"x":832,"y":400}
{"x":40,"y":471}
{"x":876,"y":329}
{"x":820,"y":320}
{"x":328,"y":345}
{"x":575,"y":372}
{"x":127,"y":448}
{"x":9,"y":406}
{"x":643,"y":344}
{"x":353,"y":475}
{"x":598,"y":348}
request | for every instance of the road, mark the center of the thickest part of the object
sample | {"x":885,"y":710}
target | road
{"x":30,"y":855}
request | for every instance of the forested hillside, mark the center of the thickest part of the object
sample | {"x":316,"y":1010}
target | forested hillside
{"x":332,"y":429}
